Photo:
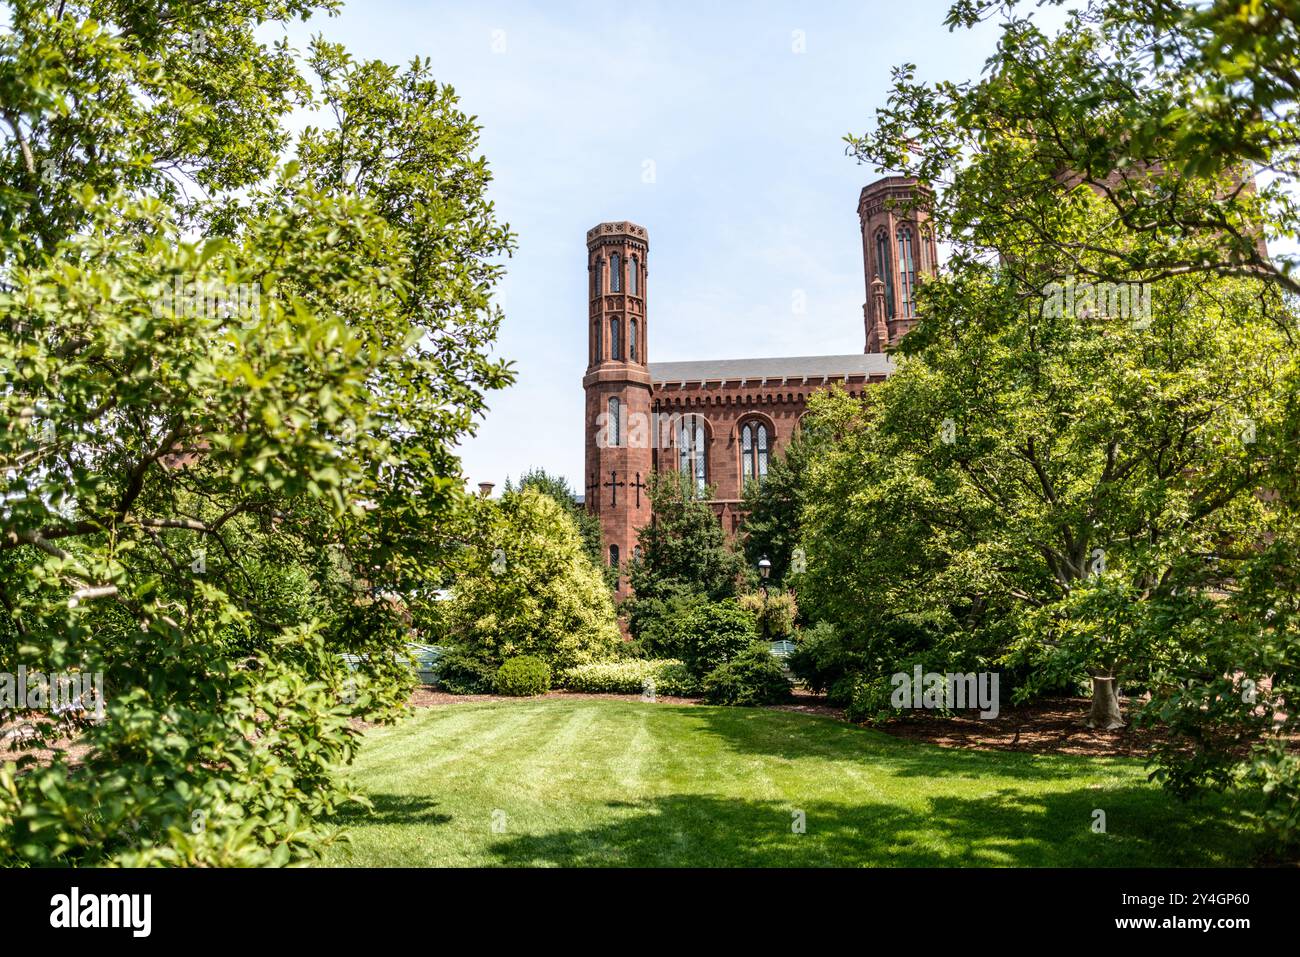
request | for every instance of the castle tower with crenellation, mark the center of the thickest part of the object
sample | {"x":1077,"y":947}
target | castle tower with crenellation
{"x":617,"y":385}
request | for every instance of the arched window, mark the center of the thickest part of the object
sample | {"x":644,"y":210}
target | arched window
{"x":906,"y":273}
{"x":632,"y":280}
{"x":884,"y":272}
{"x":631,"y":342}
{"x":613,"y":556}
{"x":691,"y":450}
{"x":615,"y":423}
{"x":615,"y":273}
{"x":600,"y":353}
{"x":753,"y":453}
{"x":615,"y":339}
{"x":599,"y":271}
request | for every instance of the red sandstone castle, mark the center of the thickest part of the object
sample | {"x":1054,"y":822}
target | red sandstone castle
{"x":721,"y":421}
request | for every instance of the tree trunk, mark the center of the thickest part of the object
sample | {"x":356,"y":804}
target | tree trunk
{"x":1105,"y":705}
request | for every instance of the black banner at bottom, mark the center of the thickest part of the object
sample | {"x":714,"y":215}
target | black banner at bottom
{"x":306,"y":906}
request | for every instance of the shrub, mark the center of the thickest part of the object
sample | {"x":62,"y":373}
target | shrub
{"x":715,"y":632}
{"x":840,"y":693}
{"x":869,"y":696}
{"x":702,"y":634}
{"x":865,"y":698}
{"x":675,"y":678}
{"x":460,"y":672}
{"x":824,"y":662}
{"x":523,"y":677}
{"x":652,"y":622}
{"x":669,"y":677}
{"x":753,"y":677}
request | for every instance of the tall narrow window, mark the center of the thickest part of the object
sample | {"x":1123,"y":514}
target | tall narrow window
{"x":746,"y":455}
{"x":633,"y":282}
{"x":600,"y":352}
{"x":599,"y":271}
{"x":615,"y":273}
{"x":690,"y":450}
{"x":631,"y":341}
{"x":613,"y":556}
{"x":884,"y":272}
{"x":615,"y":338}
{"x":906,"y":273}
{"x":615,"y":423}
{"x":753,"y":452}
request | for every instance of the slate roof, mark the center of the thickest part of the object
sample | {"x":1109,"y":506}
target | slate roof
{"x":782,"y":367}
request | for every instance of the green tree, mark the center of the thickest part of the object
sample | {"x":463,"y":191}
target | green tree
{"x":772,"y":525}
{"x":1018,"y":463}
{"x":557,"y":487}
{"x":528,"y":587}
{"x":232,"y":389}
{"x":1122,"y":149}
{"x":684,"y":552}
{"x":1165,"y":109}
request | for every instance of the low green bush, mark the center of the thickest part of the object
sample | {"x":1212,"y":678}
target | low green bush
{"x":523,"y":677}
{"x":702,"y":634}
{"x":630,"y":676}
{"x":869,"y":696}
{"x":825,"y":662}
{"x":463,"y":673}
{"x":753,"y":677}
{"x":840,"y":693}
{"x":718,"y":632}
{"x":864,"y":698}
{"x":675,"y":679}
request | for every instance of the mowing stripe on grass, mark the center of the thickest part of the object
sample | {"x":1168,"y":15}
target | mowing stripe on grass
{"x":598,"y":782}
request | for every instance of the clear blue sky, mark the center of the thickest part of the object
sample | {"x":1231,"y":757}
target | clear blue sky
{"x":753,"y":200}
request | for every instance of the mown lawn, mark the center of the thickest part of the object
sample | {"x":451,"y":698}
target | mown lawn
{"x":568,"y":782}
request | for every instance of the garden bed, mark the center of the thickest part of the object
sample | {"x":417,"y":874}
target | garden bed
{"x":1051,"y":726}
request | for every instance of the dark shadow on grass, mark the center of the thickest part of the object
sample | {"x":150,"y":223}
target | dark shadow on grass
{"x":1143,"y":830}
{"x":392,"y":809}
{"x":798,"y":736}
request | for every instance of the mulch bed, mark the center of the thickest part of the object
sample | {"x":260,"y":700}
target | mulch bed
{"x":1052,"y":726}
{"x":14,"y":733}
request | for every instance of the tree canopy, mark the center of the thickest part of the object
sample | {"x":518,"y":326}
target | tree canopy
{"x":234,"y":364}
{"x":1085,"y":463}
{"x":529,"y":587}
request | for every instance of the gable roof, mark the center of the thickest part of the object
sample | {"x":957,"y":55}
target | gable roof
{"x":780,"y":367}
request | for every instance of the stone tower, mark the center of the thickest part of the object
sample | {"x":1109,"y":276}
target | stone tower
{"x":617,"y":387}
{"x":897,"y":250}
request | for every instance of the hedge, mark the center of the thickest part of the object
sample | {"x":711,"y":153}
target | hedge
{"x":669,"y":676}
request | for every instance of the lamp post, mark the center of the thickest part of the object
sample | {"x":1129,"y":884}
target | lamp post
{"x":764,"y":569}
